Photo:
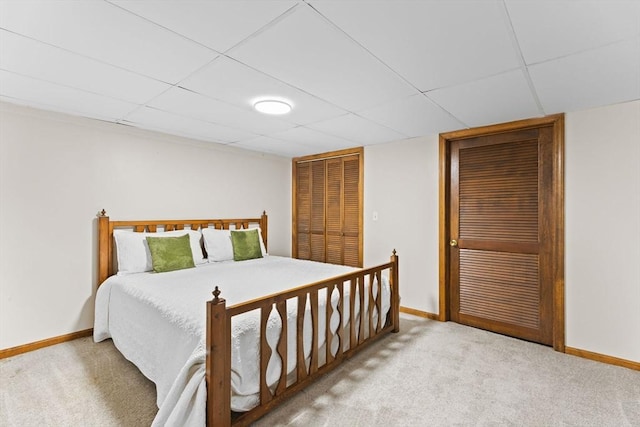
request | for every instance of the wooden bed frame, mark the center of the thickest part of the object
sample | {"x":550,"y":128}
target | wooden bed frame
{"x":219,"y":317}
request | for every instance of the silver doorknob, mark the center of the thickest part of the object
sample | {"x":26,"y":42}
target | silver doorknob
{"x":453,"y":243}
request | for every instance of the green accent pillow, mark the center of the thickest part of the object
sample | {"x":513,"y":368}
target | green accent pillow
{"x":246,"y":245}
{"x":170,"y":253}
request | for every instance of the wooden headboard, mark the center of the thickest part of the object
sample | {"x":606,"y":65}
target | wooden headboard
{"x":106,"y":264}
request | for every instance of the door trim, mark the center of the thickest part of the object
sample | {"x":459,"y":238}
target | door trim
{"x":557,"y":123}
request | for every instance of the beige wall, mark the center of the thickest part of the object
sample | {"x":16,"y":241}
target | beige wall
{"x":401,"y":186}
{"x":602,"y":225}
{"x":602,"y":194}
{"x":58,"y":171}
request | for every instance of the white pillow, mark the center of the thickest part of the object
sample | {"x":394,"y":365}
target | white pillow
{"x":218,"y":245}
{"x":133,"y":252}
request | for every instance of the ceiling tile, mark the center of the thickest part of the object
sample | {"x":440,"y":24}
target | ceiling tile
{"x":357,"y":129}
{"x":216,"y":24}
{"x":107,"y":33}
{"x":276,"y":146}
{"x":314,"y":139}
{"x":33,"y":92}
{"x":495,"y":99}
{"x":309,"y":53}
{"x":45,"y":62}
{"x":430,"y":43}
{"x":562,"y":27}
{"x":413,"y":116}
{"x":235,"y":83}
{"x":190,"y":104}
{"x":150,"y":118}
{"x":594,"y":78}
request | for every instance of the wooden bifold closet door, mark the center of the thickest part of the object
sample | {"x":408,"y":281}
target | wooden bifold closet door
{"x":327,"y":207}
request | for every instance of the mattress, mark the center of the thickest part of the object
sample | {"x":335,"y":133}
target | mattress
{"x":157,"y":321}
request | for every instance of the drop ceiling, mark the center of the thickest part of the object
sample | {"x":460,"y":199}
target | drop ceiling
{"x":356,"y":72}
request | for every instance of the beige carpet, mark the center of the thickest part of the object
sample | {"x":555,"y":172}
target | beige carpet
{"x":432,"y":373}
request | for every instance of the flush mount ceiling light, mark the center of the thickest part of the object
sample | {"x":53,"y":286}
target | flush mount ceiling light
{"x":272,"y":106}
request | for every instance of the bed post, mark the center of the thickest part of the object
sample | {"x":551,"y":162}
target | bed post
{"x":395,"y":292}
{"x":263,"y":228}
{"x":103,"y":247}
{"x":218,"y":363}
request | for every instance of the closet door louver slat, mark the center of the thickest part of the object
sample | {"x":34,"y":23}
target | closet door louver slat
{"x":303,"y":207}
{"x":318,"y":186}
{"x":334,"y":211}
{"x":352,"y":214}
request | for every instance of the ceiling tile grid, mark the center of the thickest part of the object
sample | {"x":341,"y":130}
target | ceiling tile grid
{"x":235,"y":83}
{"x":311,"y":54}
{"x":358,"y":129}
{"x":432,"y":44}
{"x":191,"y":104}
{"x":154,"y":119}
{"x":102,"y":31}
{"x":276,"y":146}
{"x":29,"y":91}
{"x":217,"y":24}
{"x":355,"y":72}
{"x":500,"y":98}
{"x":313,"y":139}
{"x":565,"y":27}
{"x":607,"y":75}
{"x":42,"y":61}
{"x":413,"y":116}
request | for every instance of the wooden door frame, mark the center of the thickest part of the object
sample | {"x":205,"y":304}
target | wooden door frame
{"x":557,"y":123}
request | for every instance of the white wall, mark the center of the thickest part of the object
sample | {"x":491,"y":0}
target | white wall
{"x":401,"y":185}
{"x":602,"y":192}
{"x":602,"y":206}
{"x":56,"y":173}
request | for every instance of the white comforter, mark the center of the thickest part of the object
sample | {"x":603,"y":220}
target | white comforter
{"x":157,"y":321}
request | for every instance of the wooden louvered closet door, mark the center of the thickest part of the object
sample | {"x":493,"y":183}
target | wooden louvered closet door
{"x":327,"y":214}
{"x":501,"y":277}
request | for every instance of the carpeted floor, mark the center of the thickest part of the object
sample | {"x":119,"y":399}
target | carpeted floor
{"x":432,"y":373}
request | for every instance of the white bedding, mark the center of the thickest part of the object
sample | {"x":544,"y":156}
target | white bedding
{"x":157,"y":321}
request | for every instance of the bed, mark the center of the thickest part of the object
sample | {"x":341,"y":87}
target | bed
{"x":220,"y":351}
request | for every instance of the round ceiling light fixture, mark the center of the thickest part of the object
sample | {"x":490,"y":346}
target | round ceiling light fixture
{"x":272,"y":106}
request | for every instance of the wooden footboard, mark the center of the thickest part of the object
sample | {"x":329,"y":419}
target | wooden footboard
{"x":363,"y":288}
